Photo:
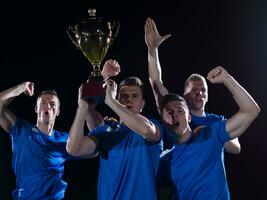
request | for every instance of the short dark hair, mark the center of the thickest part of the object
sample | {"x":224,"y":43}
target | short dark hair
{"x":171,"y":97}
{"x":132,"y":81}
{"x":51,"y":92}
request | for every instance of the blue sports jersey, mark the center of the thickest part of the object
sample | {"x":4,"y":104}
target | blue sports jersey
{"x":38,"y":162}
{"x":205,"y":120}
{"x":196,"y":168}
{"x":128,"y":163}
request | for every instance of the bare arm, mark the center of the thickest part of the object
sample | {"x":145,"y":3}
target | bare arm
{"x":248,"y":108}
{"x":134,"y":121}
{"x":78,"y":144}
{"x":153,"y":40}
{"x":7,"y":118}
{"x":93,"y":117}
{"x":232,"y":146}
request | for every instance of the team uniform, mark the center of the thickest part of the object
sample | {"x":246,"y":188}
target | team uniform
{"x":38,"y":162}
{"x":128,"y":163}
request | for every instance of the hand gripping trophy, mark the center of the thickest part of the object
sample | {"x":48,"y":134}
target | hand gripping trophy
{"x":93,"y":37}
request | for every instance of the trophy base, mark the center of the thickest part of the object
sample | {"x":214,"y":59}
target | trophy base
{"x":93,"y":89}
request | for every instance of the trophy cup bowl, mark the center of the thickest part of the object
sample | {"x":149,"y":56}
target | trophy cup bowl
{"x":93,"y":37}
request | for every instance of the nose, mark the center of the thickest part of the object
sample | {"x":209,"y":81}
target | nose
{"x":47,"y":105}
{"x":129,"y":99}
{"x":199,"y":93}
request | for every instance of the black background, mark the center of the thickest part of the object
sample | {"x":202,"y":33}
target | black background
{"x":35,"y":47}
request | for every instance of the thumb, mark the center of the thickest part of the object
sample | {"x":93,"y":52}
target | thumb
{"x":166,"y":37}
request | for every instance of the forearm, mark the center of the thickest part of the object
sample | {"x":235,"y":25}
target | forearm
{"x":93,"y":119}
{"x":7,"y":95}
{"x":248,"y":109}
{"x":136,"y":122}
{"x":245,"y":102}
{"x":154,"y":68}
{"x":155,"y":77}
{"x":78,"y":144}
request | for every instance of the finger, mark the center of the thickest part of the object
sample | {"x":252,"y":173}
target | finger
{"x":166,"y":36}
{"x":153,"y":26}
{"x":149,"y":22}
{"x":147,"y":25}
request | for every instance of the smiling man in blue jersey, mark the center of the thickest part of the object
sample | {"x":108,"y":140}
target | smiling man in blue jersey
{"x":129,"y":150}
{"x":39,"y":151}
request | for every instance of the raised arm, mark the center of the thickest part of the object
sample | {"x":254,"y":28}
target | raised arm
{"x":248,"y":108}
{"x":78,"y":144}
{"x":233,"y":146}
{"x":135,"y":121}
{"x":93,"y":117}
{"x":153,"y":39}
{"x":7,"y":118}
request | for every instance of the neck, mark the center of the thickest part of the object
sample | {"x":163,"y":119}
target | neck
{"x":181,"y":138}
{"x":45,"y":128}
{"x":199,"y":113}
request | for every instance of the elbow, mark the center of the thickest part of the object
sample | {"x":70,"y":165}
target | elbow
{"x":236,"y":150}
{"x":152,"y":134}
{"x":256,"y":111}
{"x":72,"y":150}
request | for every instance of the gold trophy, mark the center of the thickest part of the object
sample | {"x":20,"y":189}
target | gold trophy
{"x":93,"y":37}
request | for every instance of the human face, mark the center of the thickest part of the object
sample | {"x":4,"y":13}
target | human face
{"x":47,"y":108}
{"x":176,"y":114}
{"x":196,"y":95}
{"x":132,"y":98}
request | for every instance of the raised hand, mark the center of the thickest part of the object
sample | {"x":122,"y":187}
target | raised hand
{"x":82,"y":103}
{"x":29,"y":88}
{"x":218,"y":75}
{"x":152,"y":38}
{"x":111,"y":91}
{"x":111,"y":68}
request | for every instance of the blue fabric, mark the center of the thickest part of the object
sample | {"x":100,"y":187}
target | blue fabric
{"x":206,"y":120}
{"x":38,"y":162}
{"x":128,"y":163}
{"x":196,"y":168}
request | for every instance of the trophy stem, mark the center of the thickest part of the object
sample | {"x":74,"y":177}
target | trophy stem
{"x":96,"y":69}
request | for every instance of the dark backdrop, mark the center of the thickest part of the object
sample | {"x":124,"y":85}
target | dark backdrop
{"x":34,"y":46}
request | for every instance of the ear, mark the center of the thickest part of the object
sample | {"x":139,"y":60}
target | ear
{"x":58,"y":112}
{"x":35,"y":109}
{"x":189,"y":118}
{"x":143,"y":105}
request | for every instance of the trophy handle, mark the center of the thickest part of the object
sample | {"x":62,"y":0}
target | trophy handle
{"x":71,"y":31}
{"x":115,"y":25}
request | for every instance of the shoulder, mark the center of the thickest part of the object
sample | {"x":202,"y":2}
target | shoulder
{"x":213,"y":116}
{"x":61,"y":135}
{"x":156,"y":122}
{"x":21,"y":123}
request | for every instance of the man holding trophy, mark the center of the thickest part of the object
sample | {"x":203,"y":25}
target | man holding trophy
{"x":129,"y":150}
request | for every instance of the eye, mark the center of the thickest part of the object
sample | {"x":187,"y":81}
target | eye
{"x":135,"y":95}
{"x":123,"y":96}
{"x":194,"y":90}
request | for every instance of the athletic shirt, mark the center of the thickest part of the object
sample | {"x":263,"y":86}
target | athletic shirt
{"x":38,"y":162}
{"x":128,"y":163}
{"x":205,"y":120}
{"x":196,"y":168}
